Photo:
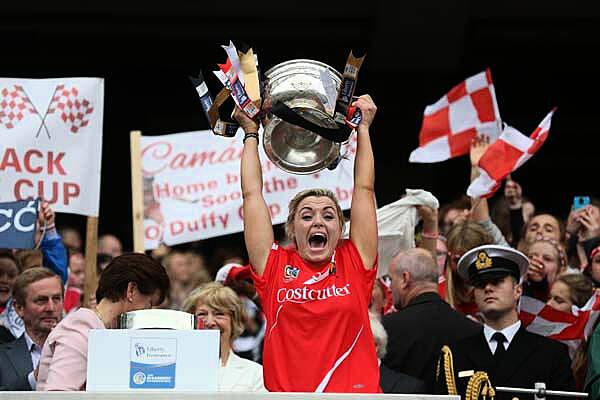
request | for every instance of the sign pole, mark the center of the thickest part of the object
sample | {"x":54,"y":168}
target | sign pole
{"x":137,"y":187}
{"x":91,"y":251}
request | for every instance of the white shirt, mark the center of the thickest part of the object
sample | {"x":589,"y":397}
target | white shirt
{"x":36,"y":354}
{"x":509,"y":333}
{"x":240,"y":375}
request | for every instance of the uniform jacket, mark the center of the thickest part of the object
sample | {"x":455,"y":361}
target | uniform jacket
{"x":530,"y":358}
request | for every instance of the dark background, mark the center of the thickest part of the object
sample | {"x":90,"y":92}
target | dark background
{"x":541,"y":54}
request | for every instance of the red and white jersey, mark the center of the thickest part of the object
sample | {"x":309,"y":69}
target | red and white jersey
{"x":318,"y":336}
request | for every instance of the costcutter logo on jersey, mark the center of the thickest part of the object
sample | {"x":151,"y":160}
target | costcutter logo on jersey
{"x":305,"y":294}
{"x":290,"y":273}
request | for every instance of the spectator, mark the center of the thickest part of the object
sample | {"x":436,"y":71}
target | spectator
{"x":186,"y":271}
{"x":76,"y":283}
{"x":110,"y":244}
{"x":511,"y":211}
{"x":592,"y":252}
{"x":539,"y":225}
{"x":52,"y":255}
{"x":378,"y":298}
{"x":8,"y":274}
{"x":218,"y":307}
{"x":29,"y":258}
{"x":249,"y":344}
{"x":583,"y":226}
{"x":38,"y":296}
{"x":130,"y":282}
{"x":424,"y":322}
{"x":441,"y":252}
{"x":454,"y":212}
{"x":547,"y":260}
{"x":391,"y":381}
{"x":570,"y":290}
{"x":76,"y":271}
{"x":71,"y":238}
{"x":462,"y":237}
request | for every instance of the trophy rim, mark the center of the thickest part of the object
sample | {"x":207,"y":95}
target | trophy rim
{"x":157,"y":319}
{"x":301,"y":61}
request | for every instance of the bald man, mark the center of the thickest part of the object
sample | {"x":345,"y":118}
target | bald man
{"x":424,"y":322}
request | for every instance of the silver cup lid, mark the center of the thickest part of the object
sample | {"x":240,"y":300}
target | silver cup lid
{"x":157,"y":319}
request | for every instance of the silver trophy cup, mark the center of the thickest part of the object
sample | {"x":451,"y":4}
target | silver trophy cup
{"x":310,"y":89}
{"x":157,"y":319}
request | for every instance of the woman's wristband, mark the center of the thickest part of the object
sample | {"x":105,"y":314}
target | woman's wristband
{"x":250,"y":135}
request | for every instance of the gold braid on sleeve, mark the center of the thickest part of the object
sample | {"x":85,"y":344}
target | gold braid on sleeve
{"x":448,"y":370}
{"x":480,"y":384}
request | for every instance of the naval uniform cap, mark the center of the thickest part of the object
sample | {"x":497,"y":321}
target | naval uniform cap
{"x":492,"y":261}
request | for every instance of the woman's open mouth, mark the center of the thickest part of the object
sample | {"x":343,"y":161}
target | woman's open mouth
{"x":317,"y":241}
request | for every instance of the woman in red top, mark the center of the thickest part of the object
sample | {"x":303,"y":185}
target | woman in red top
{"x":316,"y":295}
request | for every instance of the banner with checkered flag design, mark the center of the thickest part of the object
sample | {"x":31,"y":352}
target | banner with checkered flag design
{"x":14,"y":106}
{"x":51,"y":145}
{"x":72,"y":109}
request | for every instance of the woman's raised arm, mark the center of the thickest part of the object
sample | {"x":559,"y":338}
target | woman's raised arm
{"x":363,"y":217}
{"x":258,"y":229}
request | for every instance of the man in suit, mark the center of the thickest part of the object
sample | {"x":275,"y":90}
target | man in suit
{"x":38,"y":296}
{"x":391,"y":381}
{"x":424,"y":322}
{"x":504,"y":350}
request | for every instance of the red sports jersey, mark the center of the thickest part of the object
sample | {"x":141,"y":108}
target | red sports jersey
{"x":318,"y":336}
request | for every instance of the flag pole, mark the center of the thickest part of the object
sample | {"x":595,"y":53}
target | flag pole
{"x":137,"y":199}
{"x":91,"y":251}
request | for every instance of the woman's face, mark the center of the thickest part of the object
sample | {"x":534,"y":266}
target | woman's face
{"x":542,"y":225}
{"x":544,"y":257}
{"x":216,"y":319}
{"x":179,"y":268}
{"x":560,"y":297}
{"x":8,"y":276}
{"x":317,"y":229}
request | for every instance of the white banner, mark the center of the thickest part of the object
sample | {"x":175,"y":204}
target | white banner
{"x":192,"y":186}
{"x":51,"y":144}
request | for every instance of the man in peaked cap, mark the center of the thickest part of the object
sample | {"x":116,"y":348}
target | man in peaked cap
{"x":503,"y":349}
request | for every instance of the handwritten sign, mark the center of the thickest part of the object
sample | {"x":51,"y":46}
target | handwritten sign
{"x":192,"y":186}
{"x":51,"y":143}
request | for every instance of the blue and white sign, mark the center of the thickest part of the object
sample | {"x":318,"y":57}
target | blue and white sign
{"x":17,"y":224}
{"x":153,"y":362}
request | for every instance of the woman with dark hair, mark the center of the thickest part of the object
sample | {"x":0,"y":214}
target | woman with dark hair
{"x":315,"y":295}
{"x":130,"y":282}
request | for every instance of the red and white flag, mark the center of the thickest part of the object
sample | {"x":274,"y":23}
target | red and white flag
{"x":569,"y":328}
{"x":469,"y":109}
{"x":505,"y":155}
